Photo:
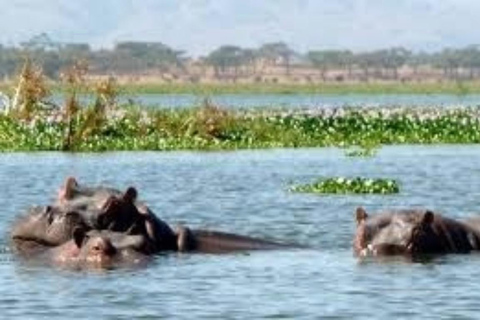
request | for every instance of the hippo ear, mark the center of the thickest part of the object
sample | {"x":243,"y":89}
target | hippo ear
{"x":428,"y":217}
{"x":130,"y":195}
{"x":79,"y":236}
{"x":361,"y":215}
{"x":69,"y":188}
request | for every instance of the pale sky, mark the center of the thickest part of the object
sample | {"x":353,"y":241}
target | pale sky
{"x":199,"y":26}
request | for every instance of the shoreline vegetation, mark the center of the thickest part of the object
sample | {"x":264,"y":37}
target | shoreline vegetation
{"x":447,"y":87}
{"x":30,"y":122}
{"x":213,"y":128}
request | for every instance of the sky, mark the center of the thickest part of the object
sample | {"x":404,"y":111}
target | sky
{"x":199,"y":26}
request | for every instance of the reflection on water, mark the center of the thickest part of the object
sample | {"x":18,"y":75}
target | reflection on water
{"x":245,"y":192}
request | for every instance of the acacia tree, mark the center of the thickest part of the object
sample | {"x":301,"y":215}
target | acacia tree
{"x":449,"y":60}
{"x":330,"y":59}
{"x":470,"y":60}
{"x":276,"y":51}
{"x":225,"y":59}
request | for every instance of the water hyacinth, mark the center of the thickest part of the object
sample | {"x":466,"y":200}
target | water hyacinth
{"x":340,"y":185}
{"x":213,"y":128}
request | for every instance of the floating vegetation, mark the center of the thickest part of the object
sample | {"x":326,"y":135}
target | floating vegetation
{"x":341,"y":185}
{"x":208,"y":127}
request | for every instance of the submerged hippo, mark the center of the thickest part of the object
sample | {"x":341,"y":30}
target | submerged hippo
{"x":119,"y":214}
{"x":93,"y":250}
{"x":209,"y":241}
{"x":123,"y":212}
{"x":412,"y":232}
{"x":104,"y":208}
{"x":46,"y":225}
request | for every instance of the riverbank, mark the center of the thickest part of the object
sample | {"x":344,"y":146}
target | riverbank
{"x":213,"y":128}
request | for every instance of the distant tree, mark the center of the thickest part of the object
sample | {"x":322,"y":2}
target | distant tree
{"x":470,"y":60}
{"x":394,"y":58}
{"x":277,"y":51}
{"x":226,"y":59}
{"x":415,"y":60}
{"x":249,"y":59}
{"x":144,"y":55}
{"x":329,"y":59}
{"x":40,"y":42}
{"x":366,"y":61}
{"x":449,"y":60}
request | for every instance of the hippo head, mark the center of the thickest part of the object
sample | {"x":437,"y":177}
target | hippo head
{"x":396,"y":233}
{"x":46,"y":225}
{"x":74,"y":195}
{"x":100,"y":250}
{"x":101,"y":207}
{"x":94,"y":249}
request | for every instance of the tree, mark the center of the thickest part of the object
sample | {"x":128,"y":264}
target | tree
{"x":469,"y":59}
{"x":394,"y":58}
{"x":449,"y":60}
{"x":329,"y":59}
{"x":277,"y":51}
{"x":225,"y":59}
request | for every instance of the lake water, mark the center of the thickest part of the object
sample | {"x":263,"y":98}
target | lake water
{"x":295,"y":101}
{"x":246,"y":192}
{"x":291,"y":101}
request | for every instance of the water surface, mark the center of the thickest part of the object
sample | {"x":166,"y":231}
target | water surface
{"x":245,"y":192}
{"x":301,"y":100}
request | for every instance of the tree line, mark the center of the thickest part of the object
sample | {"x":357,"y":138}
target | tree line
{"x":233,"y":62}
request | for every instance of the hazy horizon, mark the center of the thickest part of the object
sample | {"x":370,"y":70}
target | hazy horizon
{"x":200,"y":26}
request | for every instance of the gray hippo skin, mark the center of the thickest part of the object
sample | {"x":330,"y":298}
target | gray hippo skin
{"x":94,"y":250}
{"x":412,"y":233}
{"x":209,"y":241}
{"x":105,"y":208}
{"x":46,"y":225}
{"x":122,"y":212}
{"x":119,"y":214}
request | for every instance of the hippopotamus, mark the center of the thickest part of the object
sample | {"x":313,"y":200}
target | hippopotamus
{"x":210,"y":241}
{"x":104,"y":208}
{"x":110,"y":210}
{"x":94,"y":249}
{"x":412,"y":232}
{"x":123,"y":212}
{"x":46,"y":225}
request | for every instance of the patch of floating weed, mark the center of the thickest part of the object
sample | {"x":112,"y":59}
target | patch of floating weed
{"x":356,"y":185}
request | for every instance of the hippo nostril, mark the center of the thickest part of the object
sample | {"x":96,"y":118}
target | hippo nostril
{"x":110,"y":250}
{"x":47,"y":210}
{"x":50,"y":218}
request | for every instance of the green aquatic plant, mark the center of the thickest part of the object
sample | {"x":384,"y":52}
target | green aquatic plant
{"x":356,"y":185}
{"x":102,"y":127}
